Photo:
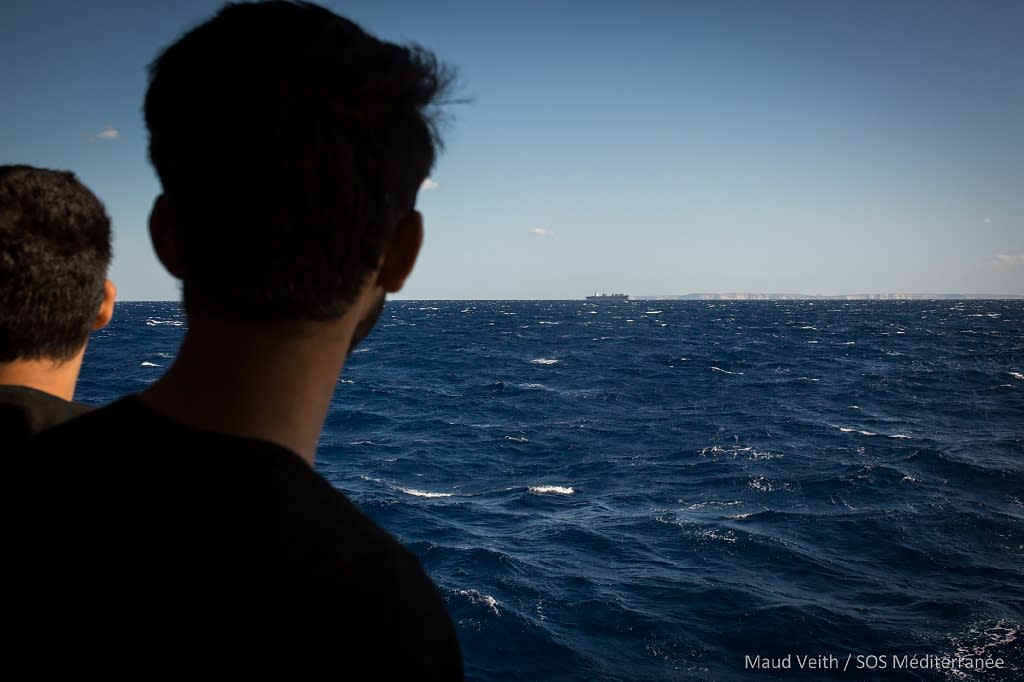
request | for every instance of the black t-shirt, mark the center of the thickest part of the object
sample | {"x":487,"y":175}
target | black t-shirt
{"x":26,"y":411}
{"x":137,"y":547}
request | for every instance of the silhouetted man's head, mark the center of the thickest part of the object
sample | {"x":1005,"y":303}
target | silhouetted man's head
{"x":54,"y":253}
{"x":290,"y":144}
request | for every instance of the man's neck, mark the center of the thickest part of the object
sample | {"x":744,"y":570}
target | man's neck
{"x":267,"y":380}
{"x":51,"y":376}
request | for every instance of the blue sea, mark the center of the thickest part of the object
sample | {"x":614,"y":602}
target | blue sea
{"x":685,"y":490}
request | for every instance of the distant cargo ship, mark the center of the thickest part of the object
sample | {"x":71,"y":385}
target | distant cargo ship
{"x":608,"y":297}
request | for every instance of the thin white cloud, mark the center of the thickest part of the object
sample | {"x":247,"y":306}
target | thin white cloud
{"x":108,"y":133}
{"x":1009,"y":259}
{"x":542,"y":232}
{"x":429,"y":184}
{"x":988,"y":221}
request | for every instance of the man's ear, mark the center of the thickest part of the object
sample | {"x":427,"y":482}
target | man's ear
{"x":162,"y":236}
{"x":400,"y":253}
{"x":106,"y":311}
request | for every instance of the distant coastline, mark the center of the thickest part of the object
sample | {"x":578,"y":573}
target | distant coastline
{"x":822,"y":297}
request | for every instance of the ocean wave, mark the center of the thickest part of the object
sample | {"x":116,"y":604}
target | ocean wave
{"x":423,"y":493}
{"x":725,"y":371}
{"x":149,"y":364}
{"x":735,"y":451}
{"x":160,"y":323}
{"x":1017,"y":375}
{"x":545,"y":361}
{"x":479,"y":599}
{"x":551,"y":490}
{"x":846,"y":429}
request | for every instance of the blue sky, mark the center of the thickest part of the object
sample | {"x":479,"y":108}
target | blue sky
{"x":645,"y":147}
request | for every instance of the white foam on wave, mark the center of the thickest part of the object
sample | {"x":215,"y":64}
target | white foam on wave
{"x":170,"y":323}
{"x":845,"y":429}
{"x":518,"y":439}
{"x":725,"y":371}
{"x":735,"y":451}
{"x":652,"y":312}
{"x":712,"y":504}
{"x":150,"y":364}
{"x":551,"y":490}
{"x":477,"y":598}
{"x":1017,"y":375}
{"x":545,"y":361}
{"x":423,"y":493}
{"x":546,"y":322}
{"x":985,"y":640}
{"x":723,"y":536}
{"x":900,"y":436}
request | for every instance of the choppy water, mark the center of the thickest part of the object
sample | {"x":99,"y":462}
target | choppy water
{"x":657,"y":490}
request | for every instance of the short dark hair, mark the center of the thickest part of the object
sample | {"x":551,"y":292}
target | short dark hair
{"x":54,"y":253}
{"x":289,"y":143}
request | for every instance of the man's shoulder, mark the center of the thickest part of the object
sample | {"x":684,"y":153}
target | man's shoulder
{"x":240,"y":530}
{"x":126,"y":461}
{"x":25,"y":411}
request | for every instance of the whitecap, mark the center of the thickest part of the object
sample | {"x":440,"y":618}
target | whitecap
{"x":861,"y":432}
{"x":423,"y":493}
{"x":719,"y":369}
{"x":551,"y":490}
{"x":1017,"y":375}
{"x":477,"y":598}
{"x":652,"y":312}
{"x":518,"y":439}
{"x":544,"y":361}
{"x":727,"y":536}
{"x":149,"y":364}
{"x":760,"y":484}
